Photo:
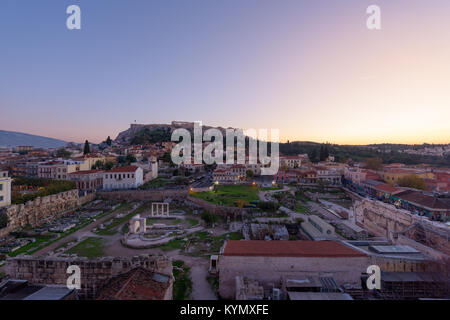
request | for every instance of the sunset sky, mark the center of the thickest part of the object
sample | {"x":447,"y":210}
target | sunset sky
{"x":311,"y":68}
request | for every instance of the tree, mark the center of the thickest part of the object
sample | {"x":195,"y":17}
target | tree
{"x":97,"y":165}
{"x":87,"y":148}
{"x":108,"y":141}
{"x":324,"y":153}
{"x":249,"y":174}
{"x":313,"y":156}
{"x":412,"y":181}
{"x":126,"y":161}
{"x":373,"y":163}
{"x":108,"y":165}
{"x":63,"y":153}
{"x":3,"y":220}
{"x":167,"y":158}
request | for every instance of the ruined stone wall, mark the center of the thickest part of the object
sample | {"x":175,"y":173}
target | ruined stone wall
{"x":399,"y":265}
{"x":94,"y":273}
{"x":42,"y":210}
{"x":272,"y":269}
{"x":381,"y":219}
{"x":399,"y":225}
{"x":143,"y":195}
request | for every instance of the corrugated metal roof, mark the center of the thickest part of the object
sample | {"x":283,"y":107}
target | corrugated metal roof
{"x":50,"y":293}
{"x":319,"y":296}
{"x":412,"y":277}
{"x":394,"y":249}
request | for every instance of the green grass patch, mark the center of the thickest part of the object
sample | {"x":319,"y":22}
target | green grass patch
{"x":302,"y":209}
{"x":157,"y":183}
{"x":214,"y":283}
{"x":32,"y":246}
{"x":270,"y":188}
{"x":182,"y":287}
{"x":165,"y":221}
{"x":215,"y":242}
{"x":64,"y":244}
{"x":229,"y":195}
{"x":192,"y":222}
{"x":171,"y":245}
{"x":89,"y":248}
{"x":178,"y":263}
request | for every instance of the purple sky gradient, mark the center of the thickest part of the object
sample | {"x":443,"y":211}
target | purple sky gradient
{"x":309,"y":68}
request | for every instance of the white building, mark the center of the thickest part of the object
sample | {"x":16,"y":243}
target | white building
{"x":129,"y":177}
{"x":5,"y":189}
{"x":291,"y":162}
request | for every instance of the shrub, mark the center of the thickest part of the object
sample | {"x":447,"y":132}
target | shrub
{"x":269,"y":205}
{"x":209,"y":218}
{"x":3,"y":220}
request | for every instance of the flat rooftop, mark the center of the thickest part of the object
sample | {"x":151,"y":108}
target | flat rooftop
{"x":262,"y":248}
{"x":318,"y":296}
{"x":396,"y":249}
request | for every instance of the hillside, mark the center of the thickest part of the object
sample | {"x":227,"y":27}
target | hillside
{"x":13,"y":139}
{"x":145,"y":133}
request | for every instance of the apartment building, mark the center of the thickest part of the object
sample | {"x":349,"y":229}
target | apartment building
{"x":230,"y":173}
{"x":89,"y":180}
{"x":5,"y":189}
{"x":60,"y":169}
{"x":291,"y":162}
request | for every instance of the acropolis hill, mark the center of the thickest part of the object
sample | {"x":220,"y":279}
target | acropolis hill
{"x":125,"y":137}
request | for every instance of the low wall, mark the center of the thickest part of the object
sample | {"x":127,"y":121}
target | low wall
{"x":143,"y":195}
{"x":94,"y":273}
{"x":42,"y":210}
{"x":216,"y":209}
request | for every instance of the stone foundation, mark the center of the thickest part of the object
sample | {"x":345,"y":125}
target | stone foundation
{"x":42,"y":210}
{"x":399,"y":225}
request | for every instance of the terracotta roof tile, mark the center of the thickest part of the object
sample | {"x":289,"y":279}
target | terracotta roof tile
{"x":261,"y":248}
{"x":137,"y":284}
{"x":124,"y":169}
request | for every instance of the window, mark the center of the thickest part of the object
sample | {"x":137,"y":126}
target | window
{"x":1,"y":187}
{"x":1,"y":198}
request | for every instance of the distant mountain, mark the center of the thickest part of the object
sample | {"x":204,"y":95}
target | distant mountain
{"x":14,"y":139}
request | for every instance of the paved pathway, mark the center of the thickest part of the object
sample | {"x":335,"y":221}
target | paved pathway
{"x":201,"y":290}
{"x":263,"y":194}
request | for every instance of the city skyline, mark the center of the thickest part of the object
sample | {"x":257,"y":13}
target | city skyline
{"x":312,"y":70}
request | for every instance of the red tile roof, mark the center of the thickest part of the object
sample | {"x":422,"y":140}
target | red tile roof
{"x":137,"y":284}
{"x":124,"y":169}
{"x":423,"y":200}
{"x":317,"y":249}
{"x":86,"y":172}
{"x":387,"y":188}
